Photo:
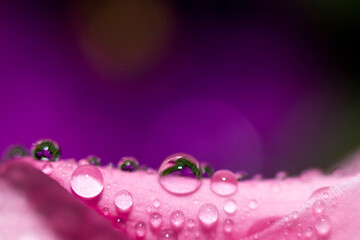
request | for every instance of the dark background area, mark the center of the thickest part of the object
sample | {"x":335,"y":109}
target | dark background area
{"x":244,"y":85}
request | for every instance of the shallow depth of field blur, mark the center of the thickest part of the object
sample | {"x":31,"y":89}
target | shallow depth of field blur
{"x":258,"y":86}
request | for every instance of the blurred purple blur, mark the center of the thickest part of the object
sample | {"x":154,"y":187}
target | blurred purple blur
{"x":242,"y":85}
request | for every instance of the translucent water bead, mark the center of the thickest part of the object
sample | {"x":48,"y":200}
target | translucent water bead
{"x":46,"y":150}
{"x":87,"y":181}
{"x":224,"y":183}
{"x":128,"y":164}
{"x":180,"y":174}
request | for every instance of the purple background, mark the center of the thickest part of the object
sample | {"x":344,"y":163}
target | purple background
{"x":242,"y":85}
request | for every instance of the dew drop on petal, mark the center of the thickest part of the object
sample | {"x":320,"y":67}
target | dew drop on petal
{"x":230,"y":206}
{"x":155,"y":220}
{"x":208,"y":214}
{"x":123,"y":201}
{"x":156,"y":203}
{"x":180,"y":174}
{"x":16,"y":151}
{"x":47,"y":168}
{"x":228,"y":225}
{"x":87,"y":181}
{"x":140,"y":229}
{"x":128,"y":164}
{"x":319,"y":192}
{"x":46,"y":150}
{"x":308,"y":232}
{"x":167,"y":234}
{"x":323,"y":225}
{"x":93,"y":160}
{"x":253,"y":204}
{"x":318,"y":206}
{"x":224,"y":183}
{"x":83,"y":162}
{"x":190,"y":224}
{"x":177,"y":219}
{"x":206,"y":170}
{"x":241,"y":175}
{"x":281,"y":175}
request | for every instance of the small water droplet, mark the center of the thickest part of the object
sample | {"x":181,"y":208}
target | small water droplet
{"x":253,"y":204}
{"x":319,"y":192}
{"x":318,"y":206}
{"x":120,"y":224}
{"x":150,"y":171}
{"x":16,"y":151}
{"x":206,"y":170}
{"x":208,"y":214}
{"x":46,"y":150}
{"x":281,"y":175}
{"x":228,"y":225}
{"x":128,"y":164}
{"x":47,"y":168}
{"x":148,"y":209}
{"x":87,"y":181}
{"x":190,"y":224}
{"x":156,"y":203}
{"x":180,"y":174}
{"x":93,"y":160}
{"x":295,"y":215}
{"x":224,"y":183}
{"x":230,"y":206}
{"x":123,"y":201}
{"x":83,"y":162}
{"x":241,"y":175}
{"x":140,"y":229}
{"x":155,"y":220}
{"x":177,"y":219}
{"x":308,"y":232}
{"x":323,"y":225}
{"x":167,"y":234}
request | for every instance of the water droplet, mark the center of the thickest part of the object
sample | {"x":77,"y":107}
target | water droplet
{"x":308,"y":232}
{"x":87,"y":181}
{"x":128,"y":164}
{"x":190,"y":224}
{"x":155,"y":220}
{"x":94,"y":160}
{"x":318,"y":206}
{"x":148,"y":209}
{"x":241,"y":175}
{"x":323,"y":225}
{"x":228,"y":225}
{"x":140,"y":229}
{"x":295,"y":215}
{"x":47,"y":168}
{"x":120,"y":224}
{"x":83,"y":162}
{"x":123,"y":201}
{"x":16,"y":151}
{"x":320,"y":192}
{"x":230,"y":206}
{"x":224,"y":183}
{"x":46,"y":150}
{"x":150,"y":171}
{"x":167,"y":234}
{"x":253,"y":204}
{"x":281,"y":175}
{"x":208,"y":214}
{"x":177,"y":219}
{"x":156,"y":203}
{"x":180,"y":174}
{"x":206,"y":170}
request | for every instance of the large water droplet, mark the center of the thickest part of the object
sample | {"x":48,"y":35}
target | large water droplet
{"x":228,"y":225}
{"x":208,"y":214}
{"x":128,"y":164}
{"x":123,"y":201}
{"x":155,"y":220}
{"x":230,"y":206}
{"x":323,"y":225}
{"x":224,"y":183}
{"x":46,"y":150}
{"x":87,"y":181}
{"x":47,"y":168}
{"x":140,"y":229}
{"x":167,"y":234}
{"x":180,"y":174}
{"x":206,"y":170}
{"x":177,"y":219}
